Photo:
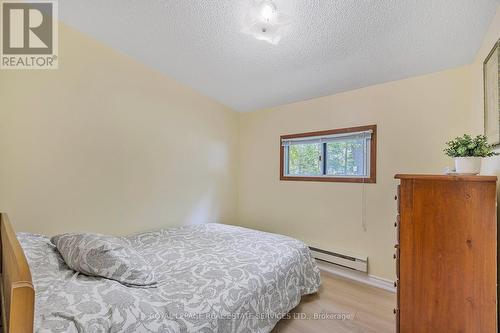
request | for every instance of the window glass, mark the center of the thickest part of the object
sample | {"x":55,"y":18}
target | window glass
{"x":345,"y":158}
{"x":304,"y":159}
{"x":339,"y":155}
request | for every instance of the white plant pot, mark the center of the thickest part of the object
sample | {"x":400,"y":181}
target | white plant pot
{"x":469,"y":165}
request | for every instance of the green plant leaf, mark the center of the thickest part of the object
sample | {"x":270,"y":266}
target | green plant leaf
{"x":466,"y":146}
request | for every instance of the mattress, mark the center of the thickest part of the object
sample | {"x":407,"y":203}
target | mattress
{"x":211,"y":278}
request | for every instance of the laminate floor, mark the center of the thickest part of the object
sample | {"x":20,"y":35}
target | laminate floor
{"x":342,"y":306}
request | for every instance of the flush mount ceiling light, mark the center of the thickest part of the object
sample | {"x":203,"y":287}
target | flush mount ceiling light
{"x":265,"y":22}
{"x":268,"y":11}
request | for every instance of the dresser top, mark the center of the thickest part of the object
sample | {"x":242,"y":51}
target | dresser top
{"x":463,"y":178}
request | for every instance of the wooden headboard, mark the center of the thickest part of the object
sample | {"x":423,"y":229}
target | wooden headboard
{"x":16,"y":286}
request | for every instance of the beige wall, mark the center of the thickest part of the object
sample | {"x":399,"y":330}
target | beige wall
{"x":476,"y":116}
{"x":477,"y":105}
{"x":414,"y":117}
{"x":106,"y":144}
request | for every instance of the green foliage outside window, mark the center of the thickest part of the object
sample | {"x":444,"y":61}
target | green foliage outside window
{"x":304,"y":159}
{"x":343,"y":158}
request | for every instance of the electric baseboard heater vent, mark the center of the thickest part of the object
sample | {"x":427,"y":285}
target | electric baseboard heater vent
{"x":358,"y":263}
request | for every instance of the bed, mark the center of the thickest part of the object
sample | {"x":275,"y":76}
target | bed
{"x":211,"y":278}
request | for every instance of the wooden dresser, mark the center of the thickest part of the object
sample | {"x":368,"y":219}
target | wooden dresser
{"x":446,"y":254}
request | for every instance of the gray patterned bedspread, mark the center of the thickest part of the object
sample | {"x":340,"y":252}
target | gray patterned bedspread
{"x":212,"y":278}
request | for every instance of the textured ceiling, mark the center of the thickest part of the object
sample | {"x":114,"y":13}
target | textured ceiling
{"x":331,"y":46}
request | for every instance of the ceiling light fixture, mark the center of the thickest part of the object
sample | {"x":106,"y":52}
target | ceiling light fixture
{"x":265,"y":22}
{"x":268,"y":11}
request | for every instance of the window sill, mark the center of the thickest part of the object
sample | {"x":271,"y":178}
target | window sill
{"x":371,"y":180}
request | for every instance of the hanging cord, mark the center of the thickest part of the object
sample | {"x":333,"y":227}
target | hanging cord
{"x":363,"y":206}
{"x":363,"y":196}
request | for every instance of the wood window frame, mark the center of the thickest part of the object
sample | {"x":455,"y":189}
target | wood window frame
{"x":373,"y":156}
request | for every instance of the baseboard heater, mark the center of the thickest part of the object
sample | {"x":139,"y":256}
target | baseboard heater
{"x":358,"y":263}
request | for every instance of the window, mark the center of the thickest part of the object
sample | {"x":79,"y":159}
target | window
{"x":340,"y":155}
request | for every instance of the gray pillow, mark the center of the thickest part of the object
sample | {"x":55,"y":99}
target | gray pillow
{"x":106,"y":256}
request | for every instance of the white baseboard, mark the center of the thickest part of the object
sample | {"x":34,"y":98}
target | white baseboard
{"x":360,"y":277}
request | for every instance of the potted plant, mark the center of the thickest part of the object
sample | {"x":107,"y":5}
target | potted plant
{"x":468,"y":152}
